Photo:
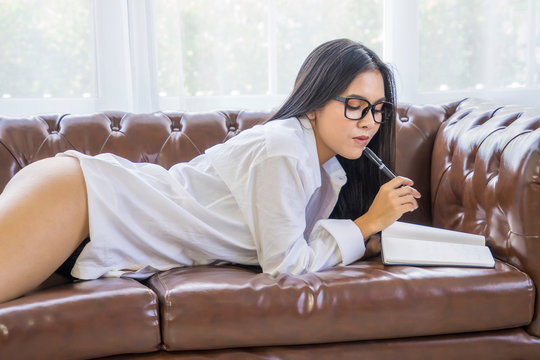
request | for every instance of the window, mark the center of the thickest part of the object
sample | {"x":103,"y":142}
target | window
{"x":302,"y":25}
{"x":47,"y":49}
{"x":212,"y":48}
{"x":447,"y":50}
{"x":216,"y":50}
{"x":479,"y":44}
{"x":148,"y":55}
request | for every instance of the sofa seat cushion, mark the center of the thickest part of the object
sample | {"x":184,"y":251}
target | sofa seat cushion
{"x":224,"y":307}
{"x":80,"y":321}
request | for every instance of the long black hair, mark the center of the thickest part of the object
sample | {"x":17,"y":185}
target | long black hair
{"x":325,"y":74}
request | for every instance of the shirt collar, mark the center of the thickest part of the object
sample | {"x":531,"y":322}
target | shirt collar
{"x":334,"y":169}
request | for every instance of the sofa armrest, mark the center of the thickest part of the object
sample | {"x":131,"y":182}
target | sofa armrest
{"x":485,"y":179}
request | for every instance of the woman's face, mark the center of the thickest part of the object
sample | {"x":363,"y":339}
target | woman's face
{"x":336,"y":134}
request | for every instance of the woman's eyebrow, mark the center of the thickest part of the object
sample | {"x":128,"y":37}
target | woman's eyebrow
{"x":363,"y":98}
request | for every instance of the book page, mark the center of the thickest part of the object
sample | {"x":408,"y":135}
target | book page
{"x":419,"y":232}
{"x":418,"y":252}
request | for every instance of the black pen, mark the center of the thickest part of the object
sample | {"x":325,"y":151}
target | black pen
{"x":378,"y":162}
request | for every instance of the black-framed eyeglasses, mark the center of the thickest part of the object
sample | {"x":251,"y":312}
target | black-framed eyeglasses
{"x":357,"y":109}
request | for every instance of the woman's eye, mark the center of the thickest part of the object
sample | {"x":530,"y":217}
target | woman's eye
{"x":353,"y":107}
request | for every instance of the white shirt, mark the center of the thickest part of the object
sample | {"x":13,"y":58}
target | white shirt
{"x":261,"y":198}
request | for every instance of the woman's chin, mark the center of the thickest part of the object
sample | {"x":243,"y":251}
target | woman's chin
{"x":353,"y":155}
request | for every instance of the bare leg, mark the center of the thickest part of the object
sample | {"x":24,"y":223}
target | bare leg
{"x":43,"y":218}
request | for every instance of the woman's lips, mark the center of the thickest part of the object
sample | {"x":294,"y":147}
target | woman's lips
{"x":361,"y":140}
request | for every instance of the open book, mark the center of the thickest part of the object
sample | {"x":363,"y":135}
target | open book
{"x":411,"y":244}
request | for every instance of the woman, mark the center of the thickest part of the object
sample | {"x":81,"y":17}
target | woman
{"x":269,"y":196}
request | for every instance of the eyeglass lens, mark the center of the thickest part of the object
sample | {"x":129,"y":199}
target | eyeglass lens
{"x":357,"y":109}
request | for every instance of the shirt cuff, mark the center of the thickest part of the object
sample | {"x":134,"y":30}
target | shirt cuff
{"x":348,"y":237}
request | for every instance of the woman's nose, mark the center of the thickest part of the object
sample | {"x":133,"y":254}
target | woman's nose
{"x":367,"y":121}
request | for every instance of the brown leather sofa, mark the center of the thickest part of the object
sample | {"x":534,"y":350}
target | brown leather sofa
{"x":478,"y":167}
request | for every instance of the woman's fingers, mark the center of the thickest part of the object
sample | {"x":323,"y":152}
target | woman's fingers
{"x":405,"y":203}
{"x":400,"y":181}
{"x":407,"y":196}
{"x":403,"y":194}
{"x":411,"y":204}
{"x":407,"y":190}
{"x":394,"y":198}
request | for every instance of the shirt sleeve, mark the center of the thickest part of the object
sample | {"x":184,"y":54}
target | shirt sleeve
{"x":275,"y":208}
{"x":347,"y":235}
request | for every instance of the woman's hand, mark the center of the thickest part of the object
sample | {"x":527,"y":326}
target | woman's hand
{"x":394,"y":198}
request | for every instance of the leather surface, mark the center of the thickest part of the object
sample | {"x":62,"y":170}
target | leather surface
{"x":80,"y":321}
{"x":497,"y":345}
{"x":485,"y":179}
{"x":226,"y":307}
{"x":416,"y":129}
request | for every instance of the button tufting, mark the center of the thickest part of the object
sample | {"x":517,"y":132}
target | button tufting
{"x":176,"y":126}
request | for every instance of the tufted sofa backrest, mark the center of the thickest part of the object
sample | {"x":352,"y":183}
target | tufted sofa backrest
{"x":163,"y":138}
{"x":167,"y":138}
{"x":485,"y":176}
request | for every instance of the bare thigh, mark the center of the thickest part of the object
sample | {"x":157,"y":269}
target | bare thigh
{"x":43,"y":218}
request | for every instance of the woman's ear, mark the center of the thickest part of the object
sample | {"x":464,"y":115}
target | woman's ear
{"x":311,"y":116}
